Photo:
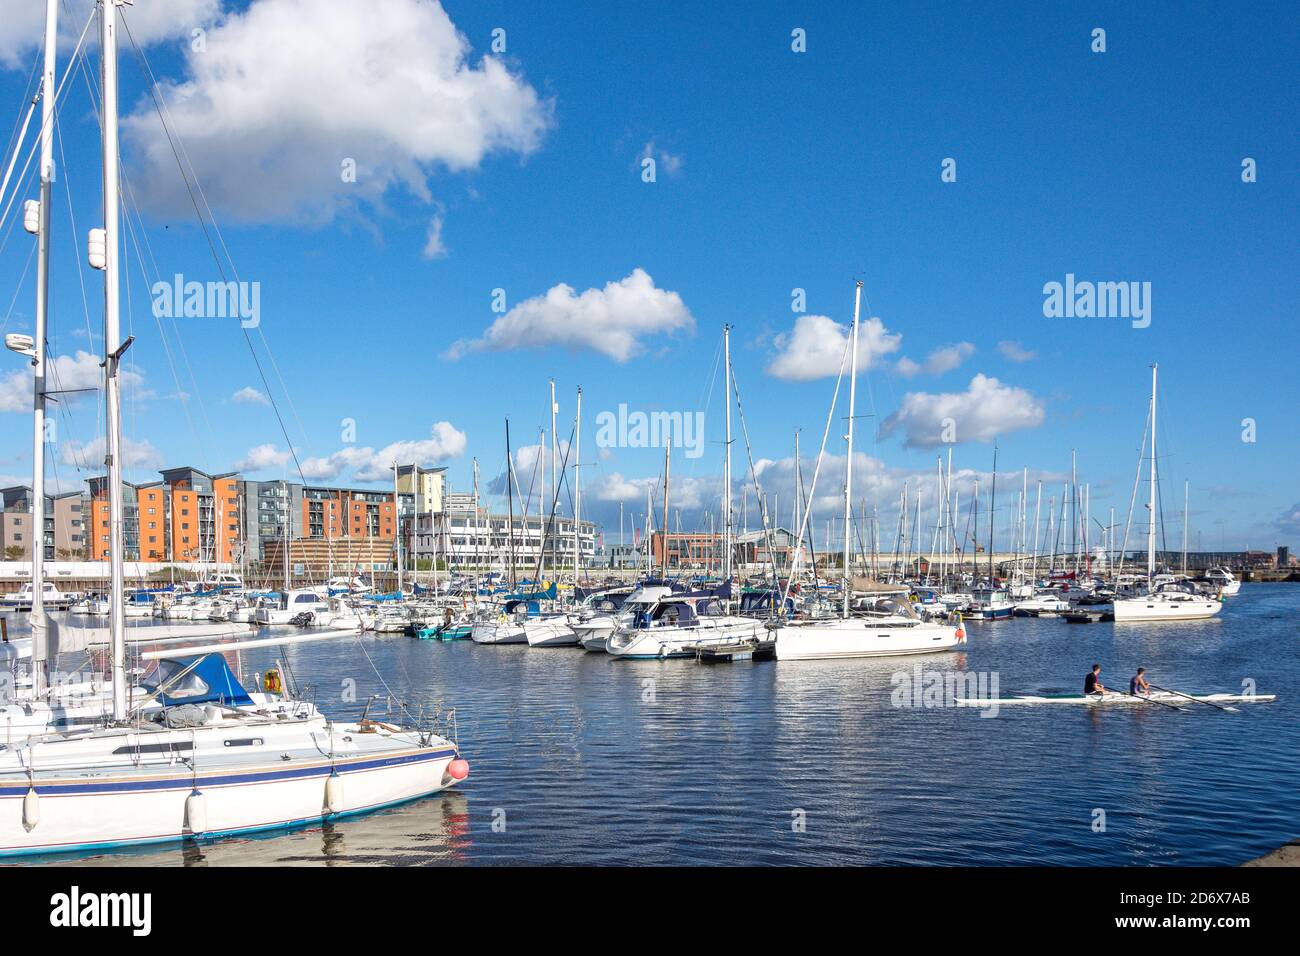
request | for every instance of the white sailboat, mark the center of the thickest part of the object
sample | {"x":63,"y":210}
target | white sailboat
{"x":891,"y":627}
{"x":1171,"y":602}
{"x":210,"y":762}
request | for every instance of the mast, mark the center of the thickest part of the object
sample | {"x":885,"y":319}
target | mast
{"x":1185,"y":493}
{"x":848,"y":464}
{"x":577,"y":490}
{"x":397,"y":528}
{"x":1151,"y":530}
{"x":113,"y":350}
{"x":726,"y":462}
{"x":40,"y":648}
{"x":510,"y":515}
{"x":668,"y":462}
{"x":555,"y":480}
{"x":993,"y":503}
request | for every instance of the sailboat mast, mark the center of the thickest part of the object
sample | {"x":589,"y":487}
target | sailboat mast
{"x":510,"y":510}
{"x":848,"y":463}
{"x":1185,"y":496}
{"x":577,"y":489}
{"x":113,"y":349}
{"x":726,"y":462}
{"x":397,"y":527}
{"x":40,"y":648}
{"x":668,"y":462}
{"x":1151,"y":530}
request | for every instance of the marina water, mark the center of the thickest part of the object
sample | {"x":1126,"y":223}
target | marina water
{"x":580,"y":759}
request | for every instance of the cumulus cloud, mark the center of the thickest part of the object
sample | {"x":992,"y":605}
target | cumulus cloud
{"x":445,"y":441}
{"x":298,"y":109}
{"x":940,"y":360}
{"x":985,"y":410}
{"x":263,"y":457}
{"x":611,"y":321}
{"x":817,"y":344}
{"x":66,"y":373}
{"x":22,"y":27}
{"x":249,"y":396}
{"x":135,"y":454}
{"x":1015,"y":352}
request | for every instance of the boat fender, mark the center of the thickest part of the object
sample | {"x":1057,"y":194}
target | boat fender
{"x":334,"y":793}
{"x":31,"y":810}
{"x":196,"y":813}
{"x":458,"y":769}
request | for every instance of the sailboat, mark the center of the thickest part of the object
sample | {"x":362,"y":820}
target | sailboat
{"x":890,"y":626}
{"x":209,"y":762}
{"x":1170,"y":602}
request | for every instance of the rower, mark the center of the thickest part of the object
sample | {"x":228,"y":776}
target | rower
{"x":1138,"y":683}
{"x":1092,"y":681}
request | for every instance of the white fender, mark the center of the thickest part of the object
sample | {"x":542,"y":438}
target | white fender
{"x":31,"y":809}
{"x":334,"y":793}
{"x":196,"y":813}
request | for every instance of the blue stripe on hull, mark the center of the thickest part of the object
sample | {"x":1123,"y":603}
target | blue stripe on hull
{"x":188,"y":782}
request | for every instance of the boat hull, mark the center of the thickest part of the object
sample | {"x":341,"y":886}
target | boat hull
{"x":76,"y":814}
{"x":1141,"y":609}
{"x":836,"y":640}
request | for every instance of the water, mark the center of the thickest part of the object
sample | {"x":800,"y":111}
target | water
{"x":587,"y":760}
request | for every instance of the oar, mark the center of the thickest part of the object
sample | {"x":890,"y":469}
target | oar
{"x":1148,"y":700}
{"x":1210,"y":703}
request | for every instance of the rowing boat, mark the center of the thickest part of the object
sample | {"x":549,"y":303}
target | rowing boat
{"x":1114,"y":698}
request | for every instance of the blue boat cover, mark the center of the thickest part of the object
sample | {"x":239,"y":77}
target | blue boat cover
{"x":209,"y":681}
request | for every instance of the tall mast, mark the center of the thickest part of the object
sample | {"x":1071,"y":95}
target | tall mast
{"x":577,"y":489}
{"x":1151,"y":530}
{"x":1185,"y":494}
{"x":113,"y":349}
{"x":993,"y":504}
{"x":848,"y":464}
{"x":668,"y":462}
{"x":510,"y":516}
{"x":555,"y":480}
{"x":397,"y":512}
{"x":40,"y":649}
{"x":726,"y":462}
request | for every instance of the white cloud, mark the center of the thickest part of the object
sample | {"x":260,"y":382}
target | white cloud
{"x":66,"y":373}
{"x":1016,"y":352}
{"x":982,"y":412}
{"x":940,"y":360}
{"x":817,"y":344}
{"x":249,"y":396}
{"x":611,"y":321}
{"x":22,"y":27}
{"x":289,"y":91}
{"x":444,"y":441}
{"x":671,"y":163}
{"x":135,"y":454}
{"x":434,"y":248}
{"x":263,"y":457}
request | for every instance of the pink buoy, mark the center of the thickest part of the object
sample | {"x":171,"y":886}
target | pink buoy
{"x":458,"y":769}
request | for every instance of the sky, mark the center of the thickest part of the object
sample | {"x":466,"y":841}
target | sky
{"x":435,"y":209}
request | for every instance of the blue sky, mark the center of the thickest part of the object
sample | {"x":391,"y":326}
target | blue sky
{"x":775,"y":170}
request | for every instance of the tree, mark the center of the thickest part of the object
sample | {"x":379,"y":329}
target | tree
{"x":15,"y":552}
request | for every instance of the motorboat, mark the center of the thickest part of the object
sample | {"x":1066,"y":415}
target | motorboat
{"x":678,"y":623}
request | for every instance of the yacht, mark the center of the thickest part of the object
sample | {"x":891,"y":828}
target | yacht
{"x":1173,"y":602}
{"x":990,"y":604}
{"x":52,"y":597}
{"x":889,"y":627}
{"x":676,"y":623}
{"x":1224,"y":580}
{"x":290,"y":605}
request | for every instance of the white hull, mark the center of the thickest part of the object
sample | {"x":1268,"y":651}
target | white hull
{"x":497,"y":632}
{"x":554,"y":632}
{"x":1149,"y":609}
{"x":1116,"y":698}
{"x":75,"y":815}
{"x":661,"y":642}
{"x":838,"y":639}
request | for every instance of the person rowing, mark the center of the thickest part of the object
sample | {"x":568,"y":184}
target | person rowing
{"x":1138,"y":685}
{"x":1092,"y":685}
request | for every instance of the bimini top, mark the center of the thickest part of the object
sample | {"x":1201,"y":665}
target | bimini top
{"x":196,"y":680}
